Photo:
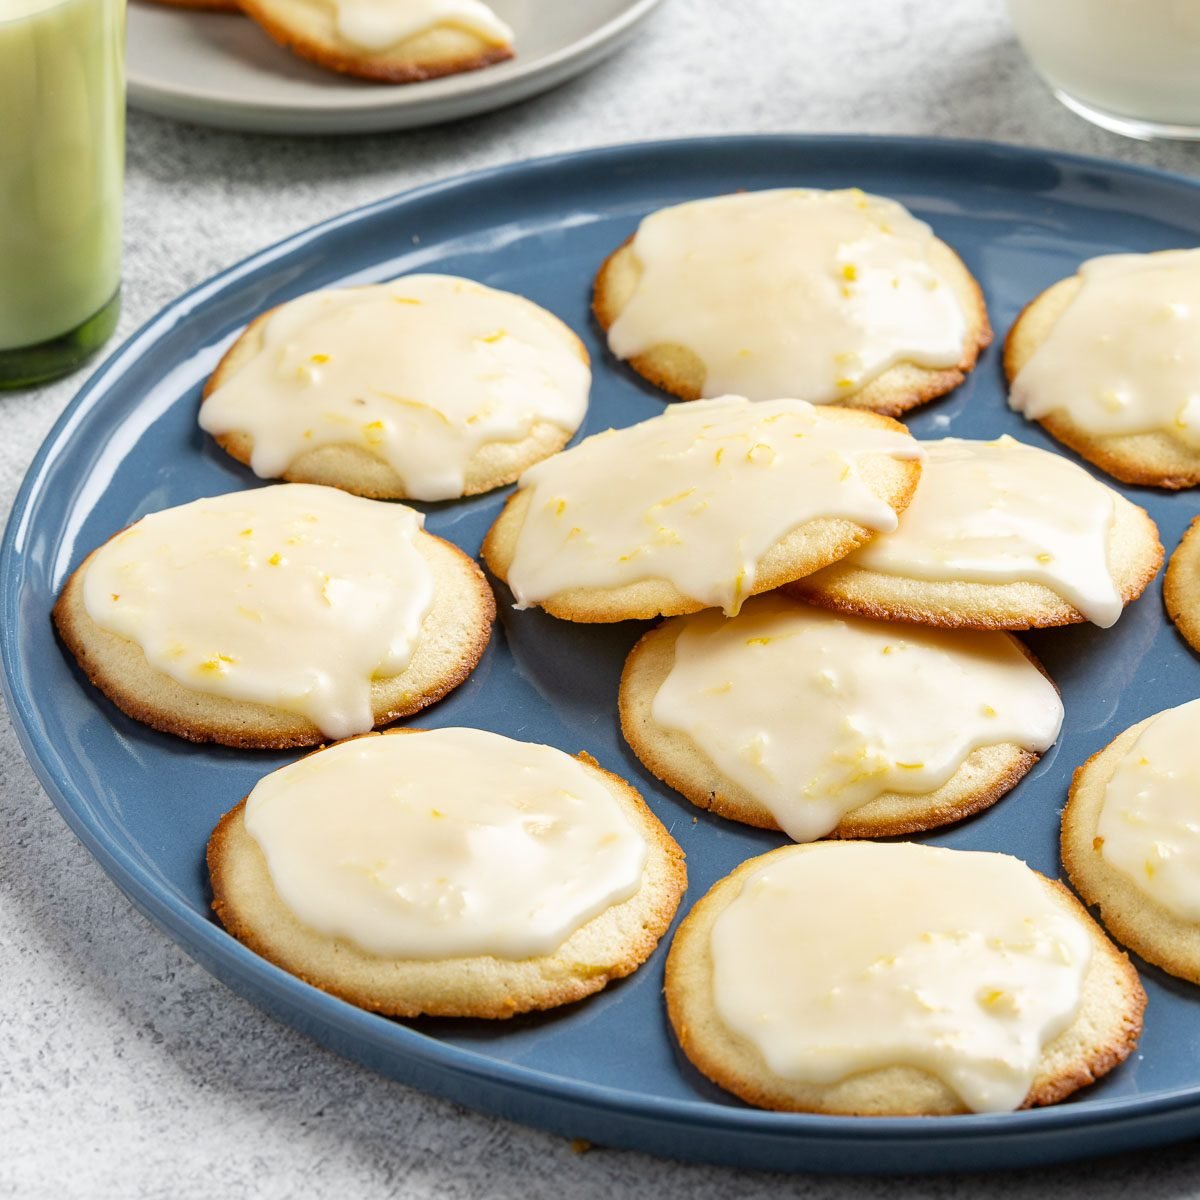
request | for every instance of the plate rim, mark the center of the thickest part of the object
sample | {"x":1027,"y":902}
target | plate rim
{"x":203,"y":941}
{"x":408,"y":98}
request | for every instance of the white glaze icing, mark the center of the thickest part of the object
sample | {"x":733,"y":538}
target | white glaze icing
{"x":817,"y":714}
{"x":791,"y":292}
{"x":380,"y":24}
{"x":421,"y":372}
{"x":1150,"y":816}
{"x":855,"y":956}
{"x":695,"y":497}
{"x":450,"y":843}
{"x":293,"y":596}
{"x":1003,"y":512}
{"x":1124,"y":356}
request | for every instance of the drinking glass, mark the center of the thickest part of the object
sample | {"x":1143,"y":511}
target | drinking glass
{"x":62,"y":141}
{"x":1130,"y":66}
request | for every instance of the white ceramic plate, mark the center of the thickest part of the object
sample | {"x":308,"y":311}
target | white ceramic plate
{"x":221,"y":69}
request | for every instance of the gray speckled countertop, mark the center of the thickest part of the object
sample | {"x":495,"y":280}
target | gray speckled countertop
{"x":125,"y":1069}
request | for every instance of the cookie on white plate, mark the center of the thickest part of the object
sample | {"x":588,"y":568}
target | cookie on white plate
{"x":406,"y":42}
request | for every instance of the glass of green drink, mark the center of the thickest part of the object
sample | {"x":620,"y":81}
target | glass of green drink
{"x":62,"y":144}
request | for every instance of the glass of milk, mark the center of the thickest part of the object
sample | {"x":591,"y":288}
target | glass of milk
{"x":1132,"y":66}
{"x":62,"y":138}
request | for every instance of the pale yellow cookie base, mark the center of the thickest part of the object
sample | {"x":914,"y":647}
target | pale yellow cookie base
{"x":608,"y":947}
{"x":453,"y":638}
{"x":1132,"y":917}
{"x":1103,"y":1034}
{"x":1155,"y":459}
{"x":807,"y":548}
{"x":355,"y":468}
{"x":681,"y":370}
{"x":1181,"y":586}
{"x":1135,"y":554}
{"x":673,"y":757}
{"x":307,"y":28}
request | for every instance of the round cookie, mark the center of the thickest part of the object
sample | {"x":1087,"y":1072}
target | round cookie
{"x":353,"y":433}
{"x":309,"y":29}
{"x":984,"y":776}
{"x":682,"y":371}
{"x":1131,"y":915}
{"x":1134,"y":555}
{"x":607,"y":947}
{"x":959,"y":604}
{"x":1149,"y":459}
{"x":1103,"y":1034}
{"x":453,"y":637}
{"x":809,"y":546}
{"x":1181,"y":585}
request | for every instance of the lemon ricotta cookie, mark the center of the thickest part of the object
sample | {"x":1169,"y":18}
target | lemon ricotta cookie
{"x":387,"y":41}
{"x":452,"y":872}
{"x":429,"y":387}
{"x":280,"y":616}
{"x":819,"y":724}
{"x":830,"y":296}
{"x":1131,"y":838}
{"x":1181,"y":585}
{"x":1000,"y":535}
{"x":1108,"y":361}
{"x":862,"y":978}
{"x":702,"y":506}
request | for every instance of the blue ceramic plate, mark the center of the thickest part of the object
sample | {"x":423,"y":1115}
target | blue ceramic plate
{"x":606,"y":1069}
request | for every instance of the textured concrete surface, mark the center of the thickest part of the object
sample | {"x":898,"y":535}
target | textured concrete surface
{"x":125,"y":1070}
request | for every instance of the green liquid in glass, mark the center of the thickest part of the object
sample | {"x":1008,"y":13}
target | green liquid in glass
{"x":62,"y":131}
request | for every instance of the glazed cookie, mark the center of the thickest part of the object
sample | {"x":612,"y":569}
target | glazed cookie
{"x":429,"y":387}
{"x":1000,"y":536}
{"x":404,"y":41}
{"x":1131,"y":838}
{"x":789,"y":717}
{"x":453,"y":873}
{"x":1107,"y":362}
{"x":830,"y":296}
{"x":894,"y":979}
{"x":702,"y":506}
{"x":275,"y":617}
{"x":1181,"y":585}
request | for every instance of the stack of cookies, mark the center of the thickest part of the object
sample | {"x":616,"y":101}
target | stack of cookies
{"x":834,"y":654}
